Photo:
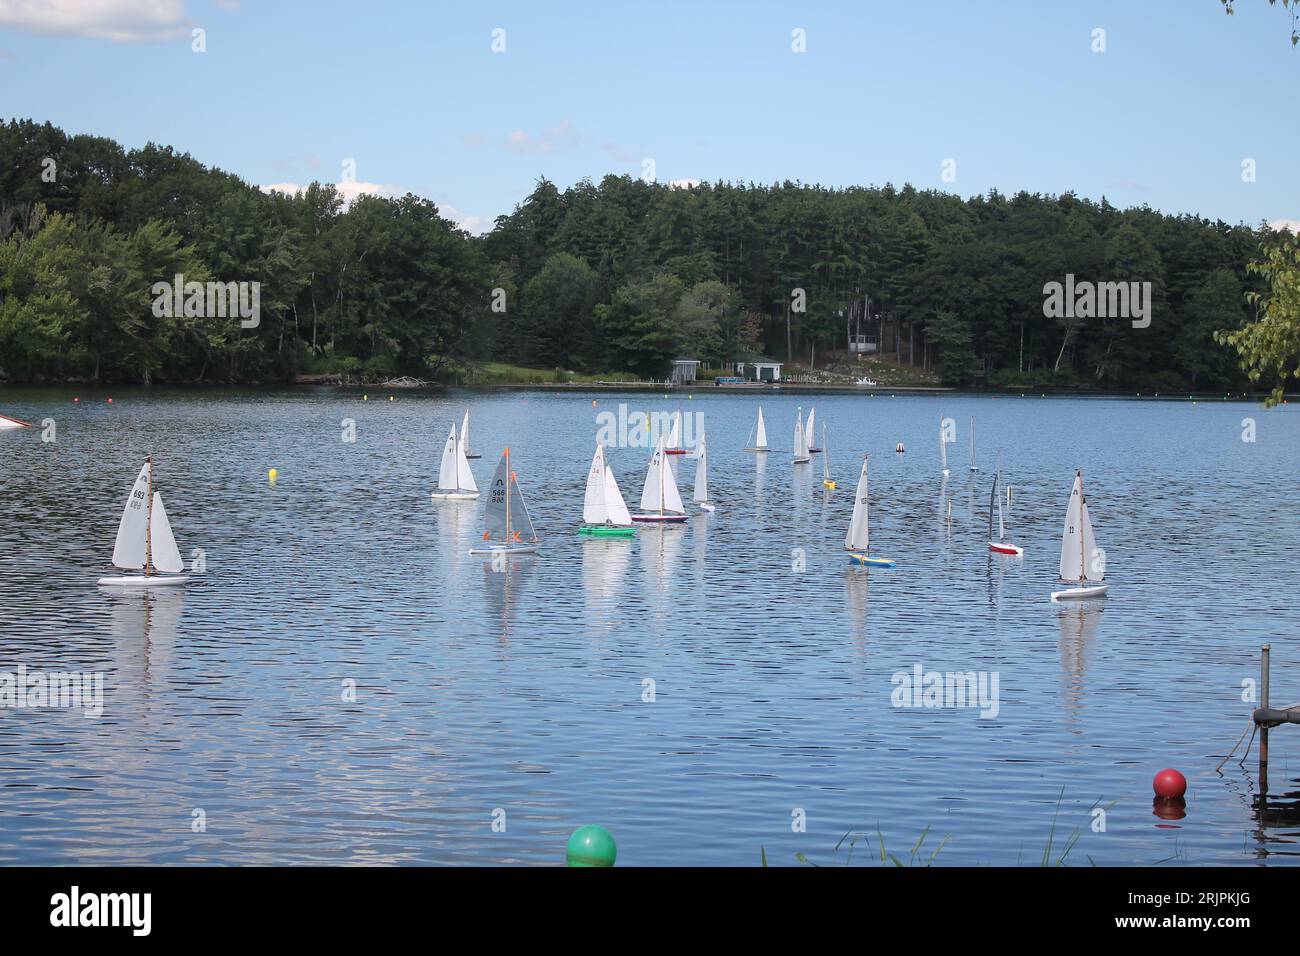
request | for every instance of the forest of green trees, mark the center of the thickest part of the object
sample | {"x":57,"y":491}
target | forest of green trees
{"x":618,"y":276}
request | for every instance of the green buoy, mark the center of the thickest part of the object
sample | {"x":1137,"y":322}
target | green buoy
{"x":591,"y":846}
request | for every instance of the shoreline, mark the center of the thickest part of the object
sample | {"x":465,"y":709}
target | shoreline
{"x":643,"y":388}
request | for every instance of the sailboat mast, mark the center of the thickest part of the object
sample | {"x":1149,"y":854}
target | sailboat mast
{"x":148,"y":521}
{"x":509,"y":478}
{"x":1083,"y":569}
{"x":663,"y":463}
{"x":866,"y":504}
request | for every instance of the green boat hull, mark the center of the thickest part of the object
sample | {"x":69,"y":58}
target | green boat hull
{"x":606,"y":531}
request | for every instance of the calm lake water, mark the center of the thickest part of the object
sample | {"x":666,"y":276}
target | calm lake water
{"x":522,"y":690}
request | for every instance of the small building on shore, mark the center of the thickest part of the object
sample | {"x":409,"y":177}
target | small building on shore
{"x":759,"y":370}
{"x":685,"y":370}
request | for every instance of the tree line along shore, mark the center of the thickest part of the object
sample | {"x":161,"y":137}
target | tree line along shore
{"x":608,"y":282}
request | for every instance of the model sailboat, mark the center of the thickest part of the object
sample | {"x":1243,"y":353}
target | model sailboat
{"x":700,"y":493}
{"x":464,"y":437}
{"x":509,"y":527}
{"x":858,"y":540}
{"x":144,"y":539}
{"x":674,"y":446}
{"x":661,"y":503}
{"x":943,"y":449}
{"x":604,"y":513}
{"x":973,"y":466}
{"x":800,"y":440}
{"x":455,"y":480}
{"x":7,"y":422}
{"x":827,"y":482}
{"x":1079,"y":552}
{"x":1001,"y":545}
{"x":810,"y":432}
{"x":760,"y":436}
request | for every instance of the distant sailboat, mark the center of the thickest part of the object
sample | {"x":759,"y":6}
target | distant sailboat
{"x":604,"y":513}
{"x":760,"y":443}
{"x":1078,"y":550}
{"x":800,"y":440}
{"x":810,"y":432}
{"x":661,"y":503}
{"x":674,"y":446}
{"x":464,"y":437}
{"x":827,"y":481}
{"x":700,"y":493}
{"x":455,"y":480}
{"x":509,"y":527}
{"x":858,"y":540}
{"x":943,"y":449}
{"x":7,"y":422}
{"x":1001,"y":545}
{"x":144,"y":539}
{"x":973,"y":466}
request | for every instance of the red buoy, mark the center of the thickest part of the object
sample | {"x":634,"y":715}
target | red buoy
{"x":110,"y":399}
{"x":1169,"y":784}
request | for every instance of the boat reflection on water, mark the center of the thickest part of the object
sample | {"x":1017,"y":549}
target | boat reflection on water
{"x":604,"y":566}
{"x":1078,"y":626}
{"x":505,"y":578}
{"x":144,"y":625}
{"x":856,"y":587}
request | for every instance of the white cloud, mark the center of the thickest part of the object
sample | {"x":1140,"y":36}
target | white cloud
{"x":351,"y":189}
{"x":548,"y":141}
{"x":122,"y":21}
{"x":1291,"y":225}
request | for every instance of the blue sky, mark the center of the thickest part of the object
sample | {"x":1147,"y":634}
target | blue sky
{"x":885,"y":92}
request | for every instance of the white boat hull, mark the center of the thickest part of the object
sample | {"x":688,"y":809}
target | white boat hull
{"x":145,"y":580}
{"x":454,"y":495}
{"x":707,"y":506}
{"x":503,"y":549}
{"x":758,"y":450}
{"x":1078,"y":594}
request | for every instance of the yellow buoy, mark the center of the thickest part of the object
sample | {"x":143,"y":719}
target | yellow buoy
{"x":272,"y":475}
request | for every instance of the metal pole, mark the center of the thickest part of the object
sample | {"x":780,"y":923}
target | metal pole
{"x":1263,"y":732}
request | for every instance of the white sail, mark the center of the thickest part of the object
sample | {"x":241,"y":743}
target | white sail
{"x":464,"y":432}
{"x":1094,"y":569}
{"x":447,"y":470}
{"x":1072,"y":543}
{"x":1002,"y":527}
{"x":826,"y":458}
{"x":761,"y":441}
{"x":701,"y":490}
{"x":859,"y":534}
{"x":614,"y":503}
{"x":164,"y":555}
{"x":521,"y":522}
{"x":660,"y":493}
{"x":464,"y":477}
{"x":594,"y":508}
{"x":943,"y":449}
{"x":809,"y":434}
{"x":800,"y":442}
{"x":494,"y":514}
{"x":973,"y":467}
{"x":128,"y":550}
{"x":675,"y":436}
{"x":652,"y":494}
